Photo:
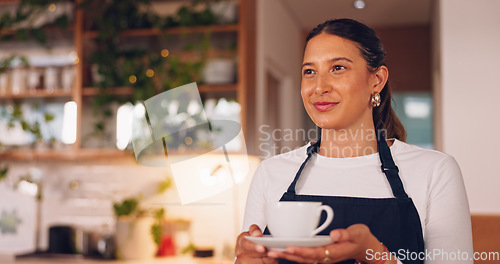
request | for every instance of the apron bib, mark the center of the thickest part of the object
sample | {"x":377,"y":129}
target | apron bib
{"x":393,"y":221}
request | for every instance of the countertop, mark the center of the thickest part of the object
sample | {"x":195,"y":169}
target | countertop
{"x":169,"y":260}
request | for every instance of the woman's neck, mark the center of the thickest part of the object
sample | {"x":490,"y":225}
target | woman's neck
{"x":348,"y":143}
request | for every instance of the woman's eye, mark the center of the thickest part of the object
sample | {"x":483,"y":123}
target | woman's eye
{"x":338,"y":68}
{"x":308,"y":71}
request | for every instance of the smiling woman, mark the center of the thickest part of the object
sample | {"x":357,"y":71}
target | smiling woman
{"x":337,"y":84}
{"x":393,"y":202}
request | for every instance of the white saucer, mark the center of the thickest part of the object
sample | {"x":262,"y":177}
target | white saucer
{"x":277,"y":243}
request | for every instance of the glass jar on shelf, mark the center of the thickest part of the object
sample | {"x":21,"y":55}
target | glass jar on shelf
{"x":51,"y":79}
{"x":18,"y":79}
{"x":4,"y":82}
{"x":67,"y":77}
{"x":35,"y":77}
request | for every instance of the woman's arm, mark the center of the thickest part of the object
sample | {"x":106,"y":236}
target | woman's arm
{"x":448,"y":232}
{"x":254,"y":222}
{"x":256,"y":201}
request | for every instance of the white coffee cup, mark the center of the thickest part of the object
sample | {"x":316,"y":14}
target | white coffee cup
{"x":296,"y":219}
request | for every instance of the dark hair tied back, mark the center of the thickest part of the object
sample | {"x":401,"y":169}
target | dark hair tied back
{"x":373,"y":52}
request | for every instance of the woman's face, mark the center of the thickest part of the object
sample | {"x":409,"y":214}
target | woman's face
{"x":337,"y":85}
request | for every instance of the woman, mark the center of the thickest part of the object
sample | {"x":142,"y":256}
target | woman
{"x":388,"y":196}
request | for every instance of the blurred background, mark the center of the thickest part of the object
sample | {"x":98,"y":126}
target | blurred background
{"x":72,"y":74}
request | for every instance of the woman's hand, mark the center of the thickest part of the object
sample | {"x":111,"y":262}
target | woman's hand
{"x":355,"y":242}
{"x":248,"y":252}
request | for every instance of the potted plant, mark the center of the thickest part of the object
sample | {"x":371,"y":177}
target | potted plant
{"x":134,"y":236}
{"x":138,"y":229}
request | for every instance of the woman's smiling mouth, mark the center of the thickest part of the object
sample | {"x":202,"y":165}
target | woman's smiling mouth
{"x":324,"y":106}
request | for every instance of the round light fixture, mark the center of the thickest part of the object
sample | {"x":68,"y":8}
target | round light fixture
{"x":359,"y":4}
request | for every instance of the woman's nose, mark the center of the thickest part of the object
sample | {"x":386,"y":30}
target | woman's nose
{"x":323,"y":84}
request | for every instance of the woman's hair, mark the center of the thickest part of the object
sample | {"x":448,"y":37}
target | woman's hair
{"x":371,"y":48}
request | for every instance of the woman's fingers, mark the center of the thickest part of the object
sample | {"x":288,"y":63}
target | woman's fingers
{"x":336,"y":252}
{"x":348,"y":244}
{"x":315,"y":253}
{"x":353,"y":233}
{"x":248,"y":249}
{"x":255,"y":231}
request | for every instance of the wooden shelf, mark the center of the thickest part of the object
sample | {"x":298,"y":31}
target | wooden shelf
{"x":37,"y":94}
{"x":63,"y":154}
{"x":209,"y":54}
{"x":11,"y":31}
{"x":178,"y":30}
{"x":203,"y":88}
{"x":81,"y":38}
{"x":9,"y":2}
{"x":93,"y":91}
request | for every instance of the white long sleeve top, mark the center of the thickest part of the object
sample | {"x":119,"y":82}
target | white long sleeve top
{"x":432,"y":179}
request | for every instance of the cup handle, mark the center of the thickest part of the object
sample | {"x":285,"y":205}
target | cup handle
{"x":329,"y":218}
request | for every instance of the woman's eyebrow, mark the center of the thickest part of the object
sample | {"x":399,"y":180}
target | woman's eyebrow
{"x":330,"y":61}
{"x":339,"y":59}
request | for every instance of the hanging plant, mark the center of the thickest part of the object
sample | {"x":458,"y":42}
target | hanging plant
{"x":19,"y":25}
{"x":32,"y":128}
{"x":147,"y":71}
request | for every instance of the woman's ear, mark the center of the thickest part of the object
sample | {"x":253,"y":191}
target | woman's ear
{"x":381,"y":76}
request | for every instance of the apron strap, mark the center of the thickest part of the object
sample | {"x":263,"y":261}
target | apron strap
{"x":388,"y":167}
{"x":310,"y":151}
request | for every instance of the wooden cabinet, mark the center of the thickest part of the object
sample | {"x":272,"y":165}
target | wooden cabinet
{"x":83,"y":91}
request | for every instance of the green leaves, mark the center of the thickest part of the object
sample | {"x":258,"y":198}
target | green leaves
{"x":157,"y":232}
{"x":48,"y":117}
{"x":122,"y":64}
{"x":62,"y":21}
{"x":126,"y":207}
{"x":131,"y":206}
{"x":34,"y":127}
{"x":20,"y":22}
{"x":164,"y":185}
{"x":188,"y":16}
{"x":7,"y":62}
{"x":156,"y":228}
{"x":117,"y":63}
{"x":3,"y":172}
{"x":189,"y":248}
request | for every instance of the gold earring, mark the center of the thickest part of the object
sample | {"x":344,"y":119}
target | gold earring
{"x":375,"y":99}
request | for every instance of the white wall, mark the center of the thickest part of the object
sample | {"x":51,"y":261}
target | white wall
{"x":468,"y":95}
{"x":279,"y":50}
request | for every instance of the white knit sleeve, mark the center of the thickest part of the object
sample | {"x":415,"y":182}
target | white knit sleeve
{"x":448,"y":234}
{"x":256,"y":200}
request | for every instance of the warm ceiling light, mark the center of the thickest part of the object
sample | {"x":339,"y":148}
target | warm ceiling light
{"x":52,"y":7}
{"x":164,"y":52}
{"x":150,"y":73}
{"x":359,"y":4}
{"x":132,"y":79}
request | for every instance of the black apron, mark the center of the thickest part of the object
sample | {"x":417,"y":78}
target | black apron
{"x":393,"y":221}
